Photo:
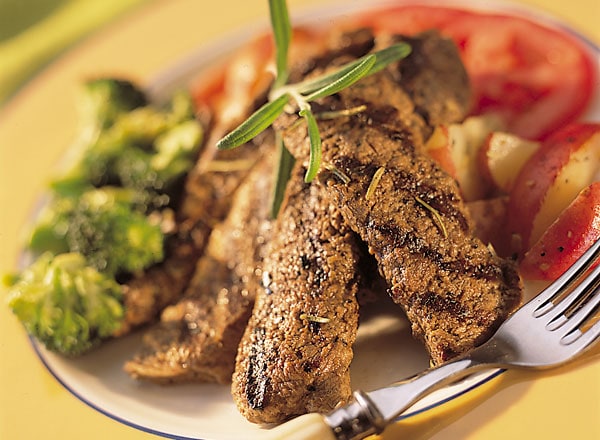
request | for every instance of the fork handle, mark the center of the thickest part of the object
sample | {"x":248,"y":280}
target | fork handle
{"x":391,"y":401}
{"x":371,"y":412}
{"x":307,"y":427}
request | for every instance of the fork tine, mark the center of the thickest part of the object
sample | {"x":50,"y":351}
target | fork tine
{"x":556,"y":316}
{"x":569,"y":323}
{"x":541,"y":303}
{"x":578,"y":340}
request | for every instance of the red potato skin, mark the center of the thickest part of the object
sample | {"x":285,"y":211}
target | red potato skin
{"x":530,"y":188}
{"x":577,"y":228}
{"x":536,"y":177}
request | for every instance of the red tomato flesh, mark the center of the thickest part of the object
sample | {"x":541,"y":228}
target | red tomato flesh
{"x":538,"y":78}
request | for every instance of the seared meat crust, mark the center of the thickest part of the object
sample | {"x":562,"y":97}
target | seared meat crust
{"x":295,"y":354}
{"x":434,"y":79}
{"x":207,"y":193}
{"x":197,"y":338}
{"x":206,"y":202}
{"x":454,"y":290}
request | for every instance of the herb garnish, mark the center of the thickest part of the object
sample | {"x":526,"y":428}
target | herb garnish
{"x":344,"y":178}
{"x":314,"y":318}
{"x":302,"y":94}
{"x":436,"y":215}
{"x":374,"y":182}
{"x":339,"y":113}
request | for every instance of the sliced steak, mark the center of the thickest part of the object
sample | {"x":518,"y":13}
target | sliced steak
{"x":197,"y":338}
{"x":206,"y":201}
{"x":206,"y":196}
{"x":434,"y":78}
{"x":295,"y":354}
{"x":454,"y":290}
{"x":210,"y":185}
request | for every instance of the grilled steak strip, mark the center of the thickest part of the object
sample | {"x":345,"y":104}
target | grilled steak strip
{"x":197,"y":338}
{"x":207,"y":194}
{"x":206,"y":201}
{"x":296,"y":351}
{"x":454,"y":290}
{"x":434,"y":79}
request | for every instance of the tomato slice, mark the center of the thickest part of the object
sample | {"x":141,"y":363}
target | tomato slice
{"x":410,"y":19}
{"x":538,"y":78}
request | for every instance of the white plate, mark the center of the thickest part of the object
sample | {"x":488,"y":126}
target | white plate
{"x":206,"y":411}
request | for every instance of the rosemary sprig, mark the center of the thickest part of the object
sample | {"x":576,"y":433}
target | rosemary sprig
{"x":282,"y":34}
{"x":314,"y":318}
{"x":285,"y":163}
{"x":383,"y":58}
{"x":259,"y":121}
{"x":303,"y":93}
{"x":333,"y":114}
{"x":339,"y":174}
{"x":361,"y":69}
{"x":315,"y":144}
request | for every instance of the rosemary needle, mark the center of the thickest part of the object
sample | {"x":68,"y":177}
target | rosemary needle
{"x":435,"y":213}
{"x":303,"y":93}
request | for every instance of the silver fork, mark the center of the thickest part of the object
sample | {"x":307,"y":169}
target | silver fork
{"x":546,"y":332}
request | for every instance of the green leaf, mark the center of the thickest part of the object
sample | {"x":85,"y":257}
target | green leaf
{"x":285,"y":163}
{"x":315,"y":145}
{"x":255,"y":124}
{"x":349,"y":78}
{"x":313,"y":84}
{"x":282,"y":33}
{"x":383,"y":58}
{"x":389,"y":55}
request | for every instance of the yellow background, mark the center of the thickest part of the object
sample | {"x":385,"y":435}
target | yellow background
{"x":138,"y":38}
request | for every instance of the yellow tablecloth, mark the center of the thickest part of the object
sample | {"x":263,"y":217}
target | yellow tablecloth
{"x":558,"y":405}
{"x":34,"y":32}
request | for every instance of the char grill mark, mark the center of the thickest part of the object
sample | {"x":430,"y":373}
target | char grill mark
{"x":197,"y":337}
{"x":409,"y":183}
{"x":258,"y":382}
{"x":295,"y":355}
{"x":472,"y":294}
{"x":454,"y":290}
{"x":206,"y":202}
{"x":207,"y":195}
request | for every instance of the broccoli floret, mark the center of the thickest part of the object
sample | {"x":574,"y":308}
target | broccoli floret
{"x":147,"y":149}
{"x":107,"y":216}
{"x":51,"y":227}
{"x":175,"y":151}
{"x":65,"y":304}
{"x":103,"y":100}
{"x":112,"y":235}
{"x":106,"y":225}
